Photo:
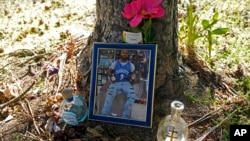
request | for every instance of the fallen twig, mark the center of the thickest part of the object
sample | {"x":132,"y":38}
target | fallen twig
{"x":8,"y":130}
{"x":26,"y":111}
{"x":29,"y":72}
{"x":213,"y":128}
{"x":16,"y":81}
{"x":229,"y":89}
{"x":32,"y":115}
{"x":206,"y":116}
{"x":29,"y":136}
{"x":15,"y":99}
{"x":88,"y":71}
{"x":63,"y":58}
{"x":36,"y":56}
{"x":32,"y":136}
{"x":9,"y":64}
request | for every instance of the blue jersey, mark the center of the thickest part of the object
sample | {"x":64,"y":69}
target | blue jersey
{"x":122,"y":72}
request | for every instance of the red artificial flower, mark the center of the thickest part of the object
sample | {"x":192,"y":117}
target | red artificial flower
{"x":142,"y":9}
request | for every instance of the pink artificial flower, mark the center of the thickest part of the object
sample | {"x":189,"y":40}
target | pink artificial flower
{"x":152,"y":8}
{"x":142,"y":9}
{"x":130,"y":11}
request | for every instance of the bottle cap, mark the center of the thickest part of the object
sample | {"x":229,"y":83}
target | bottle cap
{"x":67,"y":93}
{"x":177,"y":105}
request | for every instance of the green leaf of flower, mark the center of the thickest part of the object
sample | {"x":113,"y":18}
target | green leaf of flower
{"x":215,"y":16}
{"x":205,"y":24}
{"x":135,"y":29}
{"x":220,"y":31}
{"x":147,"y":26}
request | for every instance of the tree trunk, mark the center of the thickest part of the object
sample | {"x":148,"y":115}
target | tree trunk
{"x":168,"y":85}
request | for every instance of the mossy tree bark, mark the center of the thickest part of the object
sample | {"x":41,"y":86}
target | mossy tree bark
{"x":108,"y":28}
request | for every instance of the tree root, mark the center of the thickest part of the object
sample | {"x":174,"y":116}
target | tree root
{"x":208,"y":76}
{"x":17,"y":98}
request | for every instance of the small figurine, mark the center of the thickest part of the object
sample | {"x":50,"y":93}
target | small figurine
{"x":74,"y":108}
{"x":51,"y":124}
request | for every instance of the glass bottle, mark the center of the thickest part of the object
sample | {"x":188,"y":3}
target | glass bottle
{"x":73,"y":108}
{"x":173,"y":127}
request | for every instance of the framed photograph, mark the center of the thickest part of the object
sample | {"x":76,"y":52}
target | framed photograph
{"x":122,"y":83}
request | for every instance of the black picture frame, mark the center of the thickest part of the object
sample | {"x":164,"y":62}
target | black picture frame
{"x":143,"y":56}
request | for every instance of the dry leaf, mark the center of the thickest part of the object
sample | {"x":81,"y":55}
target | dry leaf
{"x":94,"y":132}
{"x":50,"y":99}
{"x":17,"y":108}
{"x":35,"y":92}
{"x":59,"y":98}
{"x":7,"y":92}
{"x":8,"y":118}
{"x":2,"y":96}
{"x":70,"y":49}
{"x":1,"y":50}
{"x":6,"y":111}
{"x":75,"y":140}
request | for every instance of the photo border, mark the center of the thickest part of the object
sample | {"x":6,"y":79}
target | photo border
{"x":150,"y":97}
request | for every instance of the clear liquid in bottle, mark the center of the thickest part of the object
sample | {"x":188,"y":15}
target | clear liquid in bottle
{"x":173,"y":127}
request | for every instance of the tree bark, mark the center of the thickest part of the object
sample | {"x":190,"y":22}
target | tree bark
{"x":168,"y":84}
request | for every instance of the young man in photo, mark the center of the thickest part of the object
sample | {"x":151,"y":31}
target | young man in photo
{"x":122,"y":74}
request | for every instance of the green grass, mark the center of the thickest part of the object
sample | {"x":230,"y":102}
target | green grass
{"x":227,"y":53}
{"x":233,"y":48}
